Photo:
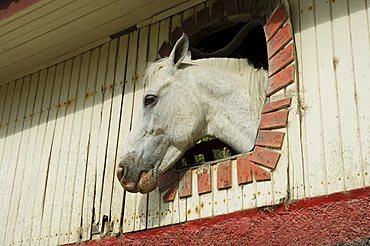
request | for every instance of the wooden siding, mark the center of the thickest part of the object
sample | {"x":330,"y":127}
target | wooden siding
{"x":61,"y":131}
{"x":332,"y":40}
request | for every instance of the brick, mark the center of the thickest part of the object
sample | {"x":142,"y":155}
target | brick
{"x":259,"y":173}
{"x":188,"y":26}
{"x":204,"y":179}
{"x":203,"y":18}
{"x":224,"y":175}
{"x":231,"y":7}
{"x":274,"y":120}
{"x":170,"y":195}
{"x":282,"y":37}
{"x":185,"y":184}
{"x":273,"y":24}
{"x":270,"y":139}
{"x":277,"y":105}
{"x":167,"y":179}
{"x":280,"y":80}
{"x":217,"y":12}
{"x":281,"y":59}
{"x":244,"y":170}
{"x":175,"y":35}
{"x":265,"y":157}
{"x":164,"y":50}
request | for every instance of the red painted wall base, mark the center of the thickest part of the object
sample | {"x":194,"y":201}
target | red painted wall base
{"x":334,"y":219}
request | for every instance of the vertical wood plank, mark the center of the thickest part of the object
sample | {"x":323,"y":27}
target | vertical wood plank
{"x":361,"y":65}
{"x":51,"y":216}
{"x":7,"y":149}
{"x":130,"y":80}
{"x":73,"y":121}
{"x":89,"y":210}
{"x":343,"y":60}
{"x":118,"y":192}
{"x":39,"y":117}
{"x":14,"y":170}
{"x":103,"y":135}
{"x":79,"y":77}
{"x":294,"y":140}
{"x":193,"y":202}
{"x":62,"y":164}
{"x":314,"y":156}
{"x":219,"y":196}
{"x":117,"y":86}
{"x":206,"y":203}
{"x":68,"y":137}
{"x":53,"y":160}
{"x":329,"y":104}
{"x":51,"y":99}
{"x":88,"y":79}
{"x":22,"y":179}
{"x":235,"y":193}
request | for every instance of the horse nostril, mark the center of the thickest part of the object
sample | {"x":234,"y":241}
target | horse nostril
{"x":120,"y":172}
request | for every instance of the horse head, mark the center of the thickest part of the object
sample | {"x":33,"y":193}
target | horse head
{"x":185,"y":100}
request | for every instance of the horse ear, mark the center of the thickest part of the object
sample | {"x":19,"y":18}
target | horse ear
{"x":180,"y":50}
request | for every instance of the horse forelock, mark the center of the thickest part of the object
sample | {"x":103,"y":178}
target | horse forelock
{"x":153,"y":68}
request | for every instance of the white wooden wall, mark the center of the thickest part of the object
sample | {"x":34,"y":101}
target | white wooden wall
{"x":333,"y":53}
{"x":61,"y":131}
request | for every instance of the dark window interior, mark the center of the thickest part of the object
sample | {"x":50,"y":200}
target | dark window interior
{"x":254,"y":49}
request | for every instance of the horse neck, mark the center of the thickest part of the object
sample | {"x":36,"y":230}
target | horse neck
{"x":234,"y":116}
{"x":252,"y":81}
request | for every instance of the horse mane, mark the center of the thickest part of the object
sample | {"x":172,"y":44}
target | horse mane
{"x":255,"y":80}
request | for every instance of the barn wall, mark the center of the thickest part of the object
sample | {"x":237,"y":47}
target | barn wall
{"x":61,"y":132}
{"x":333,"y":54}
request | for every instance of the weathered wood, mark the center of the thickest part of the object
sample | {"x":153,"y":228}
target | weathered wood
{"x":296,"y":166}
{"x":17,"y":177}
{"x":204,"y":189}
{"x":347,"y":98}
{"x":129,"y":89}
{"x":91,"y":171}
{"x":315,"y":176}
{"x":103,"y":134}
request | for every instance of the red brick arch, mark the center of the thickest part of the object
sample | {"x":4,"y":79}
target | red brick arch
{"x":280,"y":50}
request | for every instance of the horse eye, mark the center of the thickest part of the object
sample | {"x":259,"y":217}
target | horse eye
{"x":149,"y":99}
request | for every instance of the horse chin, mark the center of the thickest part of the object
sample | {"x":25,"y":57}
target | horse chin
{"x":147,"y":182}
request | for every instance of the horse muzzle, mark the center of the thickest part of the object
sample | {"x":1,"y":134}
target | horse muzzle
{"x":144,"y":183}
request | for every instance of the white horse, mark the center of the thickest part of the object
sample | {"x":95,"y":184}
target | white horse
{"x":186,"y":100}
